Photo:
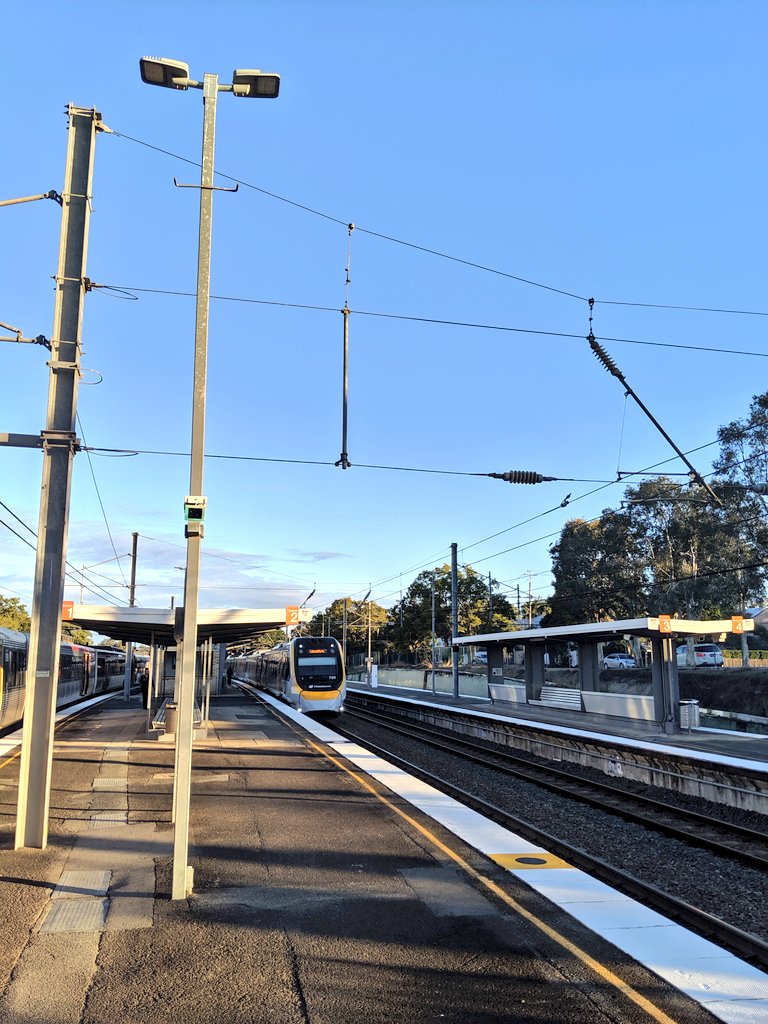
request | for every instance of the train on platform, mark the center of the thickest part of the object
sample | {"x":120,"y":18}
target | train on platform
{"x":83,"y":672}
{"x":306,"y":672}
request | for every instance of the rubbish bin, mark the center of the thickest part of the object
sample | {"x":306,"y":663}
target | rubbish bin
{"x":689,"y":714}
{"x":171,"y":709}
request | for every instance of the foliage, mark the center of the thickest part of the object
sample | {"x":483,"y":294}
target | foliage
{"x":14,"y":614}
{"x":330,"y":622}
{"x":266,"y":641}
{"x":75,"y":635}
{"x":409,"y":625}
{"x":669,"y":549}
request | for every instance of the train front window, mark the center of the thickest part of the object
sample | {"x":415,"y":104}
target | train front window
{"x":317,"y":668}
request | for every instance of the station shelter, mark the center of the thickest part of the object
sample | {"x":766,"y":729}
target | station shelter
{"x":162,"y":630}
{"x":661,"y":636}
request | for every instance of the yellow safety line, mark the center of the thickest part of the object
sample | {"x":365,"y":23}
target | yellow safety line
{"x":600,"y":969}
{"x":8,"y":760}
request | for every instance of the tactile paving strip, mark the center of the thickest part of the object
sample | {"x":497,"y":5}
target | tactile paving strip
{"x":78,"y":884}
{"x":80,"y":915}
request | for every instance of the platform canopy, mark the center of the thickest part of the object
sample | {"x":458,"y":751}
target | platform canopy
{"x":601,"y":632}
{"x":222,"y":625}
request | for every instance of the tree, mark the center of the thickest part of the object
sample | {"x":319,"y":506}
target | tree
{"x":330,"y":622}
{"x":598,"y":574}
{"x":410,"y":620}
{"x":76,"y":635}
{"x":14,"y":614}
{"x":670,"y":549}
{"x":266,"y":641}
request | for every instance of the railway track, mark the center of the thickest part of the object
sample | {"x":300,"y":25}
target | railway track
{"x":746,"y":845}
{"x":750,"y":848}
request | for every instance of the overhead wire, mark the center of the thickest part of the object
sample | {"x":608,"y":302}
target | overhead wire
{"x":471,"y":325}
{"x":95,"y":589}
{"x":101,"y":503}
{"x":344,"y":222}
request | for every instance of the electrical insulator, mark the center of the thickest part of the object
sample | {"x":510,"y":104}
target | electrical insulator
{"x":521,"y":476}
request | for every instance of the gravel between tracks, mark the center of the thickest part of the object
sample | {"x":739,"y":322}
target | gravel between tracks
{"x":735,"y":893}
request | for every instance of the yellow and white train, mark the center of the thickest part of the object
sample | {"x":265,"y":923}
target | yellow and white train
{"x":307,"y":672}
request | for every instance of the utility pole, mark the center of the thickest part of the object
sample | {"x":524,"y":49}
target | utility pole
{"x":344,"y":632}
{"x":59,"y":446}
{"x":128,"y":679}
{"x":455,"y":616}
{"x":433,"y":632}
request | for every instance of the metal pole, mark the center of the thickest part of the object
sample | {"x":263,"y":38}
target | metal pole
{"x":131,"y":601}
{"x":182,"y":873}
{"x":370,"y":663}
{"x":433,"y":632}
{"x":455,"y":617}
{"x":344,"y":633}
{"x":59,"y":443}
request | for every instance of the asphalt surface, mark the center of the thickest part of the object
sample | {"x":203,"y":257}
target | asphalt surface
{"x":314,"y":900}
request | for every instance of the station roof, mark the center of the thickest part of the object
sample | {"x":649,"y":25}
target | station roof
{"x":599,"y":632}
{"x":142,"y":625}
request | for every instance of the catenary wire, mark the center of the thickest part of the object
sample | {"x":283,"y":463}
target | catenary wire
{"x":435,"y":252}
{"x":101,"y":503}
{"x":445,"y":323}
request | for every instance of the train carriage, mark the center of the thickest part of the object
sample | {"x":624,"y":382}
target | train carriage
{"x":82,"y":671}
{"x":307,"y":672}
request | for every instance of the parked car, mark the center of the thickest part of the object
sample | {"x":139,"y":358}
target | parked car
{"x":619,"y":660}
{"x":703,"y":654}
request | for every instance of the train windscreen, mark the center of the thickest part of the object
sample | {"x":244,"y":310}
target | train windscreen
{"x":318,"y":665}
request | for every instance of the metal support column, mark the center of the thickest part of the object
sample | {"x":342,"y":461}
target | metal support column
{"x":455,"y":617}
{"x":128,"y":679}
{"x":666,"y":684}
{"x":182,"y":873}
{"x":59,"y":444}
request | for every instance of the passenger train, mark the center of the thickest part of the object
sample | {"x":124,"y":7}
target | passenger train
{"x":83,"y":671}
{"x":307,"y":672}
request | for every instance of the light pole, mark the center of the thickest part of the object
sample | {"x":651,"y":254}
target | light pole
{"x":173,"y":74}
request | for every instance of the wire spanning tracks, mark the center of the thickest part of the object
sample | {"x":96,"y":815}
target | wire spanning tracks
{"x":745,"y":845}
{"x":742,"y":943}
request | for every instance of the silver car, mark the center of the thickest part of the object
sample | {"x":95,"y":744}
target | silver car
{"x":619,"y":661}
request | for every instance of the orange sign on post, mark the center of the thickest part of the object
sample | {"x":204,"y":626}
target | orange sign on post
{"x":737,"y":623}
{"x":67,"y":611}
{"x":292,"y":615}
{"x":665,"y":624}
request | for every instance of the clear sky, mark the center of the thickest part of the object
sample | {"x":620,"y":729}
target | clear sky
{"x":614,"y":150}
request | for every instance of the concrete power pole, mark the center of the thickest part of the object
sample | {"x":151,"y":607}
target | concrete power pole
{"x":128,"y":678}
{"x":455,"y":617}
{"x":59,"y":445}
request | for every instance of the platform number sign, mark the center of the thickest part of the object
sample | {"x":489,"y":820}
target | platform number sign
{"x":292,"y":615}
{"x":67,"y":611}
{"x":737,"y":623}
{"x":665,"y":624}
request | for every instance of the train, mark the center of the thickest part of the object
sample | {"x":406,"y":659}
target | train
{"x":306,"y":672}
{"x":83,"y":672}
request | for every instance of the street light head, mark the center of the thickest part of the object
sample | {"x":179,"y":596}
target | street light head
{"x":256,"y":84}
{"x":173,"y":74}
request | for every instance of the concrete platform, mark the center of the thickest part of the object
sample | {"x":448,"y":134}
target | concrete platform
{"x":323,"y":893}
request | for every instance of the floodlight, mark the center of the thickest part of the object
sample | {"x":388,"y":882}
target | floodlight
{"x":173,"y":74}
{"x":264,"y":84}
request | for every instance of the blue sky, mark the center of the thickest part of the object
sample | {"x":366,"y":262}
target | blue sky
{"x":614,"y":150}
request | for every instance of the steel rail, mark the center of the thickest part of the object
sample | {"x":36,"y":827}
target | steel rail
{"x":596,"y":794}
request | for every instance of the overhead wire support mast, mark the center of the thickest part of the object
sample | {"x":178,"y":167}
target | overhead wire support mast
{"x":343,"y":460}
{"x":613,"y":369}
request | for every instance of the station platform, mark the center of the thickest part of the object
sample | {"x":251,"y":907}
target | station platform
{"x":722,"y":743}
{"x":329,"y":888}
